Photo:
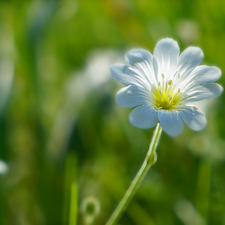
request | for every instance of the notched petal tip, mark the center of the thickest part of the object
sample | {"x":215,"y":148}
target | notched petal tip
{"x":124,"y":74}
{"x":117,"y":70}
{"x":137,"y":56}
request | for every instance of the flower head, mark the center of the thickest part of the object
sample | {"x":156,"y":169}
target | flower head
{"x":162,"y":86}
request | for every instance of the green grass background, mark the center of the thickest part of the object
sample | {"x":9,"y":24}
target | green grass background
{"x":61,"y":125}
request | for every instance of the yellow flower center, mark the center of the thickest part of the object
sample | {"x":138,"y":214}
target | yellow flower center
{"x":166,"y":97}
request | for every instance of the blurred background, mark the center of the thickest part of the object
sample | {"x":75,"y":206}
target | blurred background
{"x":67,"y":150}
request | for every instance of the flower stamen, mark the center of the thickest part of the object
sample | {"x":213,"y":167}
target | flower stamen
{"x":170,"y":82}
{"x":165,"y":97}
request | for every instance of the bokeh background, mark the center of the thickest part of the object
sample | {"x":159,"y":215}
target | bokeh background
{"x":63,"y":137}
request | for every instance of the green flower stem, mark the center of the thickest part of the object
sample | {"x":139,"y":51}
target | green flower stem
{"x":150,"y":159}
{"x":73,"y":204}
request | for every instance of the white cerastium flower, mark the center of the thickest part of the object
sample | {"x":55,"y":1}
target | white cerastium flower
{"x":163,"y":86}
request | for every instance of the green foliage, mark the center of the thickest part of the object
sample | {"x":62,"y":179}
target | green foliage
{"x":61,"y":107}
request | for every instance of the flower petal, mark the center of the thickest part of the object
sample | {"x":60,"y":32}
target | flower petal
{"x":166,"y":54}
{"x":201,"y":75}
{"x":122,"y":73}
{"x":131,"y":96}
{"x":144,"y":62}
{"x":170,"y":122}
{"x":204,"y":91}
{"x":143,"y":117}
{"x":193,"y":117}
{"x":189,"y":59}
{"x":206,"y":74}
{"x":128,"y":75}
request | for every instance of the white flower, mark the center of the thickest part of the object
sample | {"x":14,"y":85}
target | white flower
{"x":162,"y":86}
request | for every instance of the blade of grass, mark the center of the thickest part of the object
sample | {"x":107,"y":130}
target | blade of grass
{"x":73,"y":204}
{"x":70,"y":190}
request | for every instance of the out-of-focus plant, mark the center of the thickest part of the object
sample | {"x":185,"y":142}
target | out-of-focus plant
{"x":6,"y":81}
